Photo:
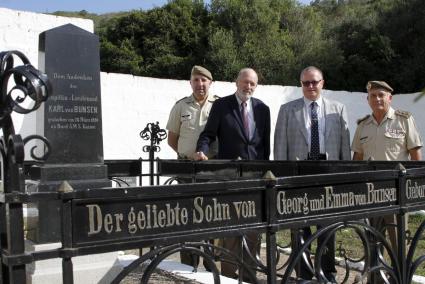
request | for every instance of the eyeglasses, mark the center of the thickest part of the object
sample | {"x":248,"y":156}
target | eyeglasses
{"x":307,"y":83}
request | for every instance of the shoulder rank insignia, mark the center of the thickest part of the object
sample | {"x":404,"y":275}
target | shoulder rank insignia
{"x":362,"y":119}
{"x":403,"y":113}
{"x":213,"y":98}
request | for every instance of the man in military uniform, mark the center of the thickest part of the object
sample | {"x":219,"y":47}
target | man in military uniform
{"x":187,"y":120}
{"x":190,"y":114}
{"x":386,"y":135}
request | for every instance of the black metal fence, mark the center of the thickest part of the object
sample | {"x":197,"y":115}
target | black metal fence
{"x":173,"y":218}
{"x":239,"y":197}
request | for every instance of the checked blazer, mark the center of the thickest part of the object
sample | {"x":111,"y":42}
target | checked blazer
{"x":291,"y":137}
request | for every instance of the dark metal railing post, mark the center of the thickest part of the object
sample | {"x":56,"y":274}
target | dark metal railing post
{"x":271,"y":229}
{"x":401,"y":224}
{"x":28,"y":84}
{"x":14,"y":182}
{"x":66,"y":231}
{"x":155,"y":134}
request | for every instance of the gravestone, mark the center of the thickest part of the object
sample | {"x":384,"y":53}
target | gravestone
{"x":71,"y":120}
{"x":72,"y":115}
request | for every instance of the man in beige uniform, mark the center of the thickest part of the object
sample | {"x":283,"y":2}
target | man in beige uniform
{"x":190,"y":114}
{"x":187,"y":120}
{"x":386,"y":135}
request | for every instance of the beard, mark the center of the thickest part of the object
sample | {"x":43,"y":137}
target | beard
{"x":244,"y":96}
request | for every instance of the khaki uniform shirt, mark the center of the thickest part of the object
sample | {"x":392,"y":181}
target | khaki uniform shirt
{"x":187,"y":120}
{"x":389,"y":141}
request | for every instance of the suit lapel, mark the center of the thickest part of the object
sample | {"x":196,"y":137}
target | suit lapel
{"x":257,"y":116}
{"x":237,"y":114}
{"x":327,"y":122}
{"x":299,"y":115}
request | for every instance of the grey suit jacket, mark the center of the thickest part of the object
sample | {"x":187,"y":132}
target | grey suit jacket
{"x":291,"y":138}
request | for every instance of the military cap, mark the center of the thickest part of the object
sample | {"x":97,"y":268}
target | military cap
{"x":199,"y":70}
{"x":378,"y":84}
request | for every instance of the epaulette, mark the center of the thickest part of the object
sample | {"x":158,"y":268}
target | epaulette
{"x":403,"y":113}
{"x":181,"y":100}
{"x":214,"y":98}
{"x":362,"y":119}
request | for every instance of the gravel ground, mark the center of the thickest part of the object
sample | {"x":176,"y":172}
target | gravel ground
{"x":164,"y":277}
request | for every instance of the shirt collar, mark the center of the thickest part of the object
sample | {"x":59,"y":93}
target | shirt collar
{"x":319,"y":102}
{"x":240,"y":101}
{"x":390,"y":113}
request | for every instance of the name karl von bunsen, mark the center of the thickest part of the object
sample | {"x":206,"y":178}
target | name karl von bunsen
{"x":332,"y":199}
{"x":155,"y":216}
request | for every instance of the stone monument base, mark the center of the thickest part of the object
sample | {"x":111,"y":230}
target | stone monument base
{"x":95,"y":268}
{"x":48,"y":178}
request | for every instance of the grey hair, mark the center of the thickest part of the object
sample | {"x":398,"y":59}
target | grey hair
{"x":246,"y":70}
{"x":311,"y":68}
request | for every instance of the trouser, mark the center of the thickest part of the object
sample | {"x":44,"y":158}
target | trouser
{"x":234,"y":245}
{"x":189,"y":258}
{"x":382,"y":224}
{"x":327,"y":259}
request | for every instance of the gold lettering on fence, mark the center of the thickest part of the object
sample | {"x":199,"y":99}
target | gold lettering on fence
{"x":210,"y":213}
{"x":330,"y":199}
{"x":414,"y":190}
{"x":97,"y":221}
{"x":154,"y":216}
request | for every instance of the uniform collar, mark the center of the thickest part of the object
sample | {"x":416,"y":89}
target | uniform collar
{"x":389,"y":115}
{"x":192,"y":99}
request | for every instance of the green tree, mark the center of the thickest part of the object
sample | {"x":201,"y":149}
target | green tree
{"x":404,"y":25}
{"x":249,"y":34}
{"x":366,"y":53}
{"x":167,"y":40}
{"x":352,"y":41}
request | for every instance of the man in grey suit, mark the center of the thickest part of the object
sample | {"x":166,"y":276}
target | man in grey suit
{"x":313,"y":128}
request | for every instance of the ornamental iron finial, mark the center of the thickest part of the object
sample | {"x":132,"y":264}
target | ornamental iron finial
{"x":155,"y":134}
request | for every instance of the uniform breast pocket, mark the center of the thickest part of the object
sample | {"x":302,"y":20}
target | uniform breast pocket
{"x":394,"y":142}
{"x":364,"y":140}
{"x":187,"y":121}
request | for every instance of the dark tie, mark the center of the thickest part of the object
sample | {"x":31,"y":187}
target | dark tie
{"x":245,"y":118}
{"x":315,"y":144}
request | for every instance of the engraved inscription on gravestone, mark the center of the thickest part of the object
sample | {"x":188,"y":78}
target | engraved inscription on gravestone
{"x":72,"y":115}
{"x":71,"y":119}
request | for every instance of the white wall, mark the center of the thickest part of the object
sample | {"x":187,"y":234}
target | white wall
{"x":19,"y":30}
{"x":130,"y":102}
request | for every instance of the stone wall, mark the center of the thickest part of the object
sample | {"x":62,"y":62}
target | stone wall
{"x":130,"y":102}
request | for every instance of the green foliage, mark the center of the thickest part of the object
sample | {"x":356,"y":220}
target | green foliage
{"x":168,"y":40}
{"x":248,"y":34}
{"x":352,"y":41}
{"x":404,"y":25}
